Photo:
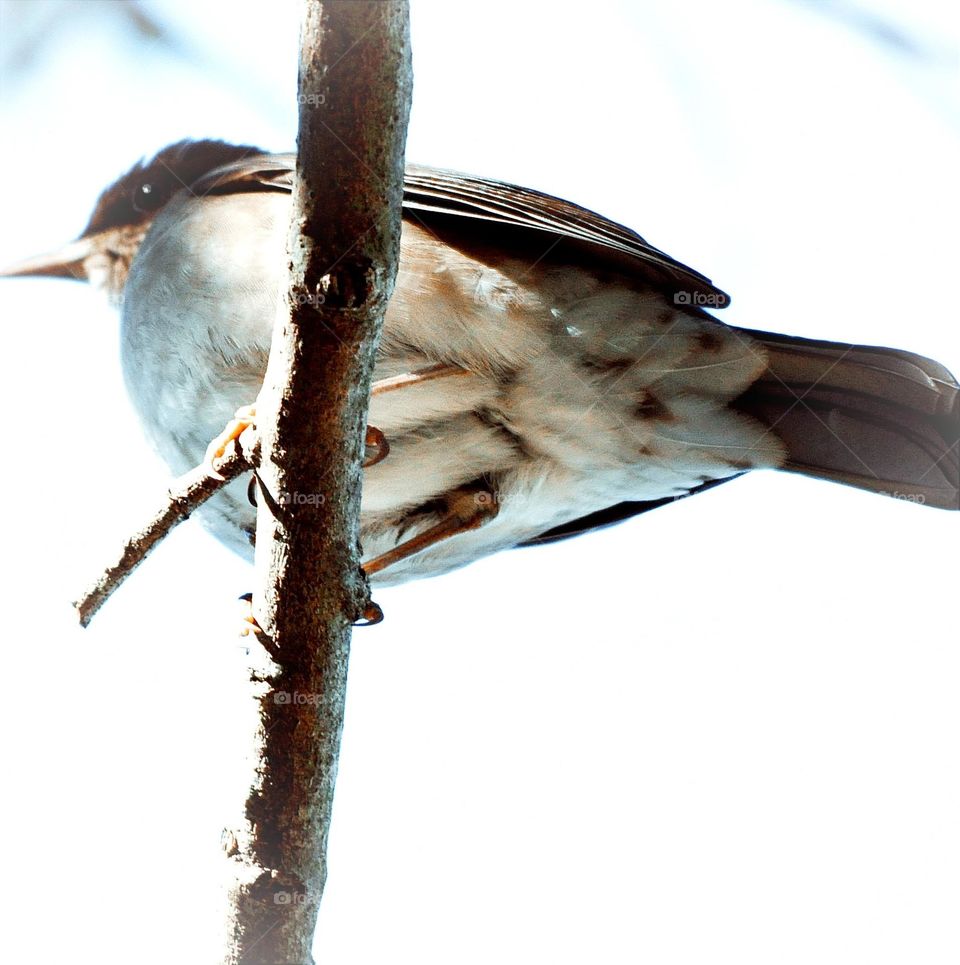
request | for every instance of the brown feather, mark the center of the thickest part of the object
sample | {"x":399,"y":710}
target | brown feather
{"x":875,"y":418}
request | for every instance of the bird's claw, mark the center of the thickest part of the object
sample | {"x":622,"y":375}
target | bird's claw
{"x":376,"y":447}
{"x":245,"y":417}
{"x":372,"y":615}
{"x":248,"y":622}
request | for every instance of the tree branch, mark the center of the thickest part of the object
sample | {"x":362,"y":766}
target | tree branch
{"x":184,"y":495}
{"x":354,"y":93}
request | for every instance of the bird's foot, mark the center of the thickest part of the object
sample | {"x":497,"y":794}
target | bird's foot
{"x":467,"y":509}
{"x":376,"y":447}
{"x":248,"y":622}
{"x":375,"y":442}
{"x":372,"y":615}
{"x":244,"y":418}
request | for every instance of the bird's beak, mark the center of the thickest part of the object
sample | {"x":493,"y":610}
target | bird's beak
{"x":67,"y":262}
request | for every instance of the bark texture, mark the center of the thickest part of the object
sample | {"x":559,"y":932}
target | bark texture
{"x":354,"y":93}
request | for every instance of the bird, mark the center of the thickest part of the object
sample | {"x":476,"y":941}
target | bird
{"x":543,"y":371}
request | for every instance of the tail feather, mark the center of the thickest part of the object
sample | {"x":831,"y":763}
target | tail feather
{"x":876,"y":418}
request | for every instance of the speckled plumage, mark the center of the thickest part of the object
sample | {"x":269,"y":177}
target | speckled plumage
{"x":583,"y":392}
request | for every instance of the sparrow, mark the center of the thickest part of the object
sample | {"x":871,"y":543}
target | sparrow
{"x":543,"y":371}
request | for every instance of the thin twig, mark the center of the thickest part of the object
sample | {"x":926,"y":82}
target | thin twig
{"x":184,"y":495}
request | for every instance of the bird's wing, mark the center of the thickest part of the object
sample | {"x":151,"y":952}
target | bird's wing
{"x":260,"y":172}
{"x":466,"y":211}
{"x":438,"y":197}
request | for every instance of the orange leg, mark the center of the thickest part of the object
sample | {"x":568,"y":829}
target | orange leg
{"x":468,"y":509}
{"x":246,"y":416}
{"x":427,"y":374}
{"x":377,"y":447}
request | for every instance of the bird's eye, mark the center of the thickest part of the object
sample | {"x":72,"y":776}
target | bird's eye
{"x":146,"y":198}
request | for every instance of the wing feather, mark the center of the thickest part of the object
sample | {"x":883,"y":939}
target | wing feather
{"x":447,"y":201}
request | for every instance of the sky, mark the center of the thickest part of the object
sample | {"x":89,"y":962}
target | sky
{"x":726,"y":730}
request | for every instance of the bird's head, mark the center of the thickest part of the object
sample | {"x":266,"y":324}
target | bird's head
{"x":103,"y":252}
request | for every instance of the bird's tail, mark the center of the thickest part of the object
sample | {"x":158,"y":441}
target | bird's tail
{"x":875,"y":418}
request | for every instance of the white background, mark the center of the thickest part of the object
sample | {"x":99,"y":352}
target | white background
{"x":725,"y":731}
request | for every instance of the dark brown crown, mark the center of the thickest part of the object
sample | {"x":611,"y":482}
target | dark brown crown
{"x":134,"y":198}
